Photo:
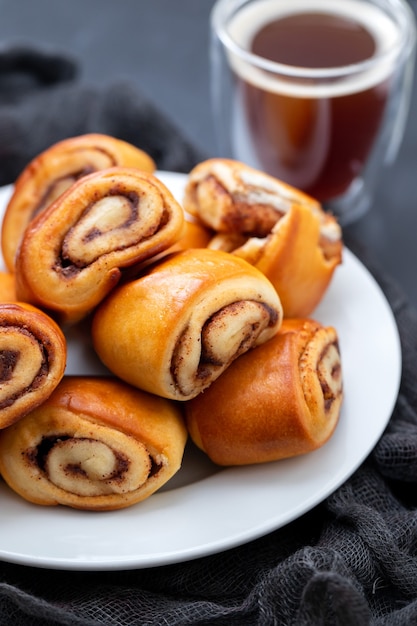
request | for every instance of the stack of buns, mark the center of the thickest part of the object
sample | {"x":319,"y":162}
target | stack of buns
{"x":200,"y":311}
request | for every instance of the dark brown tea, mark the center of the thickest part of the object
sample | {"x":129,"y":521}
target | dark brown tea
{"x":315,"y":134}
{"x":314,"y":40}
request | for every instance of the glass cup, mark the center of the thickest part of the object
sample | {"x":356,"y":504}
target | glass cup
{"x":295,"y":96}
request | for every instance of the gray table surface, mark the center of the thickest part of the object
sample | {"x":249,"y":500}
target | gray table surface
{"x":162,"y":47}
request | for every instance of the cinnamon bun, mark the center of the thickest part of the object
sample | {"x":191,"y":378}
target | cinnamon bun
{"x":95,"y":444}
{"x":33,"y":355}
{"x":279,"y":400}
{"x":53,"y":171}
{"x":73,"y":252}
{"x":177,"y":328}
{"x":280,"y":230}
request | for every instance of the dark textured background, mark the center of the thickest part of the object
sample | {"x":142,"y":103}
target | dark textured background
{"x":162,"y":47}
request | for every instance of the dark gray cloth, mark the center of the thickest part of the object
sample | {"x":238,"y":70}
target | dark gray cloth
{"x":42,"y":102}
{"x":351,"y":561}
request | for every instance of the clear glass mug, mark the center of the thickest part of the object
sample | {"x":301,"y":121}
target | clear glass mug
{"x":327,"y":129}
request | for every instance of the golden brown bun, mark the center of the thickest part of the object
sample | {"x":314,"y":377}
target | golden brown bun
{"x":177,"y":328}
{"x":194,"y":235}
{"x":280,"y":400}
{"x":293,"y":260}
{"x":95,"y":444}
{"x":231,"y":197}
{"x":54,"y":170}
{"x":7,"y":287}
{"x":275,"y":227}
{"x":33,"y":359}
{"x":73,"y":252}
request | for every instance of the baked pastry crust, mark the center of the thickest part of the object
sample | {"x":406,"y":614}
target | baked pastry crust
{"x":95,"y":444}
{"x":280,"y":400}
{"x":175,"y":329}
{"x":194,"y":235}
{"x":7,"y":287}
{"x":53,"y":171}
{"x":231,"y":197}
{"x":73,"y":253}
{"x":33,"y":356}
{"x":275,"y":227}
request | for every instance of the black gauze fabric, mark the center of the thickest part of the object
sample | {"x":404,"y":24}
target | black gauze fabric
{"x":351,"y":561}
{"x":42,"y":102}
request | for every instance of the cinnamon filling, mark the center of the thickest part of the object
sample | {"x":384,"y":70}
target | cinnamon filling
{"x":330,"y":375}
{"x":58,"y":187}
{"x":108,"y":224}
{"x":251,"y":219}
{"x":39,"y":456}
{"x":225,"y":335}
{"x":9,"y":361}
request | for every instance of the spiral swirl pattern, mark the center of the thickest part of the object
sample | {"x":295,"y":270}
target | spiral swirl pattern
{"x":53,"y":171}
{"x":32,"y":360}
{"x":73,"y":253}
{"x":177,"y":328}
{"x":96,"y":444}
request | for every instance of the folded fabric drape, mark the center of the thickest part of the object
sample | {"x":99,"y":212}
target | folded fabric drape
{"x":33,"y":81}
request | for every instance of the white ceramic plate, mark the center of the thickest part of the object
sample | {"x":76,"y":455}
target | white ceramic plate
{"x":205,"y":509}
